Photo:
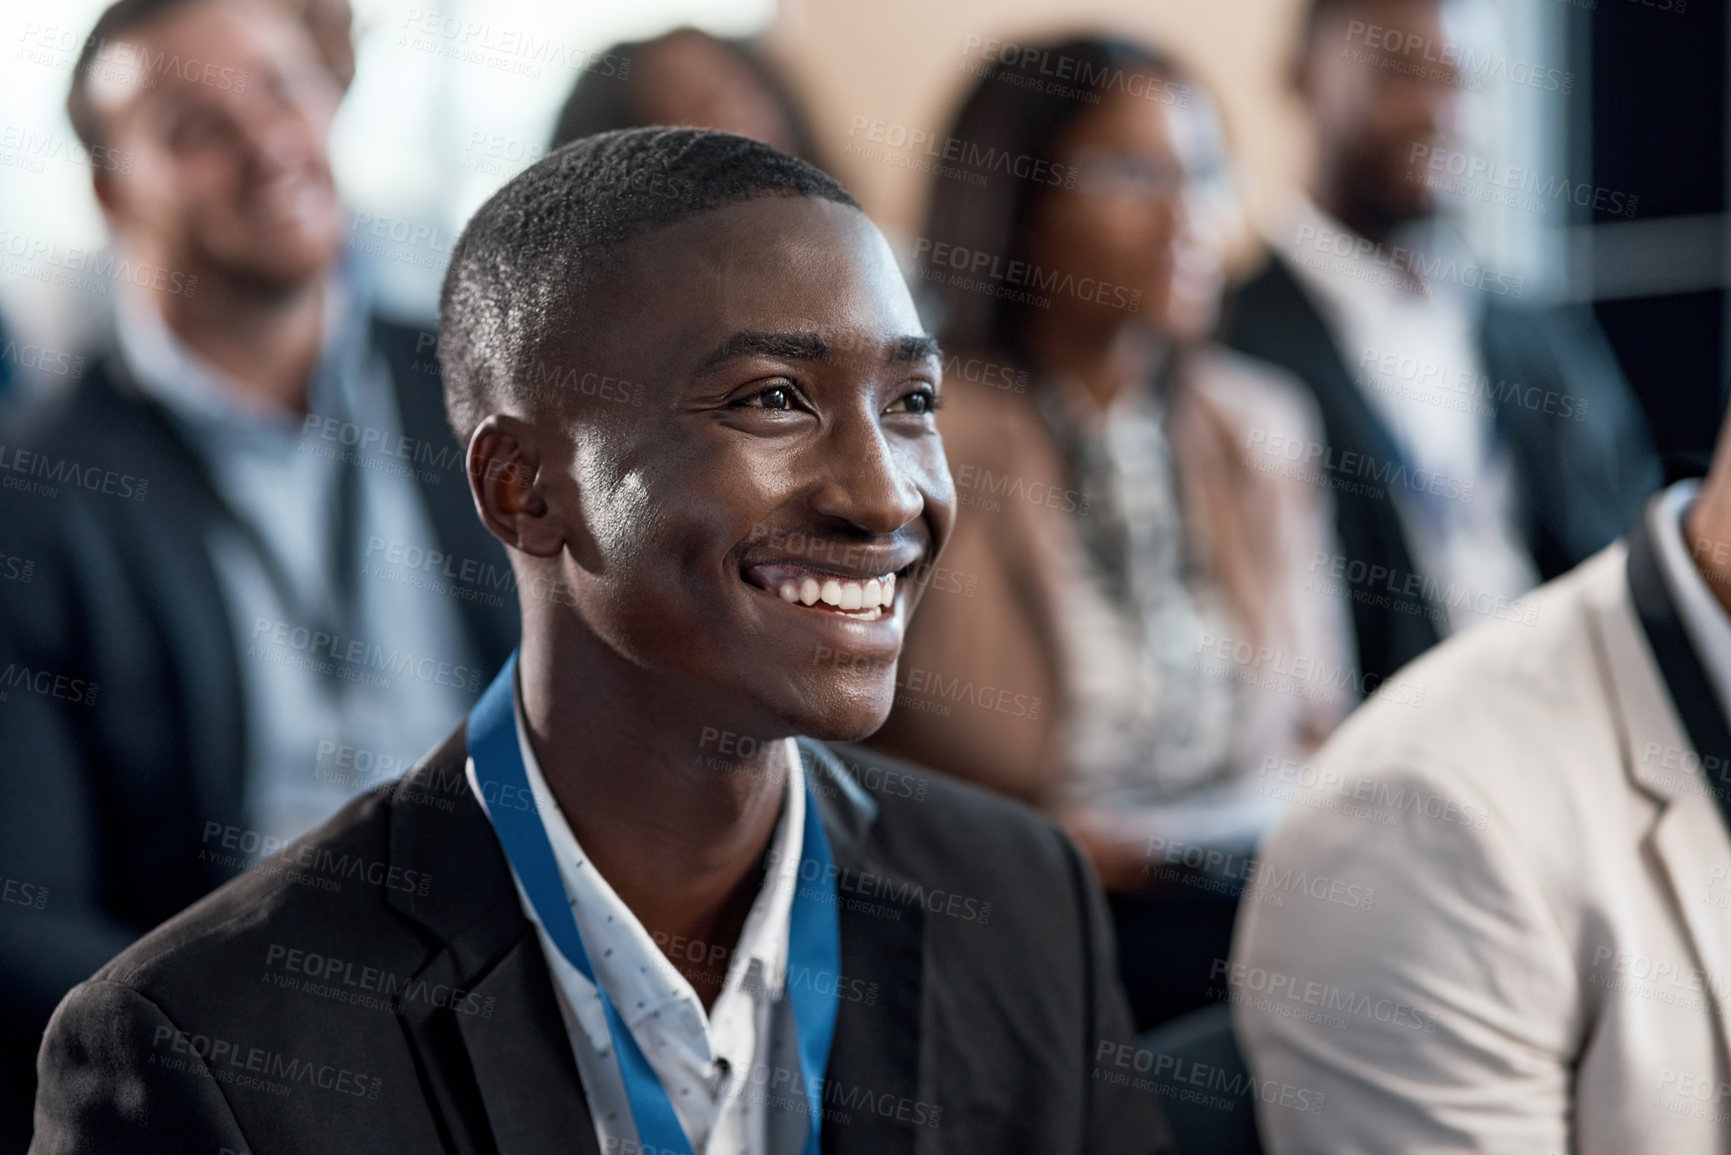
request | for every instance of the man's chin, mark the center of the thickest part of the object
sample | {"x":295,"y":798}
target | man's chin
{"x":852,"y":721}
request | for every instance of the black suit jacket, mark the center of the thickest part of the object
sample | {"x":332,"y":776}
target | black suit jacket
{"x":1584,"y":460}
{"x":967,"y":1027}
{"x":112,"y":774}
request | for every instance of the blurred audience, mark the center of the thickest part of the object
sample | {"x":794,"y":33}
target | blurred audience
{"x":1475,"y":446}
{"x":257,"y":583}
{"x":1114,"y":539}
{"x":688,"y":78}
{"x":1546,"y":961}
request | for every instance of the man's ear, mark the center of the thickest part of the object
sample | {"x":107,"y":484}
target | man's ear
{"x":504,"y":466}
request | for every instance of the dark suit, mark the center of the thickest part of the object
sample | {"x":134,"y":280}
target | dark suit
{"x":1579,"y":481}
{"x":107,"y":797}
{"x":966,"y":1029}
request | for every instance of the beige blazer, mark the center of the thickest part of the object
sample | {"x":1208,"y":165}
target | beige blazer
{"x":1498,"y":920}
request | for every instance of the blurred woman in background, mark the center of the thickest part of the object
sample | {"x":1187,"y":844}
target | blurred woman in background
{"x":1124,"y":529}
{"x":689,"y":79}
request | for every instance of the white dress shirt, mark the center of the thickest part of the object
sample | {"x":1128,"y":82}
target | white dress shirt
{"x":727,"y":1073}
{"x":1704,"y":619}
{"x":1412,"y":347}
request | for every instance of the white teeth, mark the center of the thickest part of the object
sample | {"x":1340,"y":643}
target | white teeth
{"x":869,"y":599}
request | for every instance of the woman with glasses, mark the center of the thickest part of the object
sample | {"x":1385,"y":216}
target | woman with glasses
{"x":1135,"y":624}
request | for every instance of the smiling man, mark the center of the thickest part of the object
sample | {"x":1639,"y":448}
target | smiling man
{"x":636,"y":904}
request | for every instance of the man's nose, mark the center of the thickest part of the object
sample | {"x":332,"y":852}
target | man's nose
{"x":863,"y":483}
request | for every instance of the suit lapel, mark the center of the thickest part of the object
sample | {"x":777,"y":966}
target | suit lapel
{"x":1688,"y":837}
{"x":498,"y":1067}
{"x":876,"y":1057}
{"x":506,"y":1080}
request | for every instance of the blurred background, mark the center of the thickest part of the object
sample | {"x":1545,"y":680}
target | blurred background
{"x":452,"y":97}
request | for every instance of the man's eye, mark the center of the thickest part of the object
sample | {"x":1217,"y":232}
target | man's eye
{"x":920,"y":401}
{"x":775,"y":397}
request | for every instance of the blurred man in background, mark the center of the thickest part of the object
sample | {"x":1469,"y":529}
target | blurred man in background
{"x":257,"y":584}
{"x":1475,"y":447}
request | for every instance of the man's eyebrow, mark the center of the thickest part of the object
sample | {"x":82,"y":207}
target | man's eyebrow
{"x":916,"y":349}
{"x":756,"y":342}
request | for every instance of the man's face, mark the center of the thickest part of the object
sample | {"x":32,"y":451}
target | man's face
{"x":230,"y":172}
{"x":1379,"y":79}
{"x":754,"y":531}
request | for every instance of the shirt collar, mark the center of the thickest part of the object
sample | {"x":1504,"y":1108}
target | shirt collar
{"x":632,"y":968}
{"x":1704,"y":619}
{"x":200,"y":394}
{"x":1325,"y":271}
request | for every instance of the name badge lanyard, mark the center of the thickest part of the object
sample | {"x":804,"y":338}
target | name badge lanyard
{"x":814,"y":932}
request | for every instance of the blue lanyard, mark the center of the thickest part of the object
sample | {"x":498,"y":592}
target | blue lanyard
{"x":814,"y":931}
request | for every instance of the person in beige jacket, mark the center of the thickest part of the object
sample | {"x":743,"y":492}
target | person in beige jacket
{"x":1540,"y":956}
{"x":1134,"y":611}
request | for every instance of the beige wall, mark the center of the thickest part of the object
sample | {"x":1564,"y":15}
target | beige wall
{"x":902,"y":61}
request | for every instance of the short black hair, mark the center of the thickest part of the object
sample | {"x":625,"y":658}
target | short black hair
{"x":529,"y":257}
{"x":118,"y":19}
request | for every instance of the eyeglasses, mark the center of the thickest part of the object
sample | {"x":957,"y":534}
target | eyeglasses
{"x":1102,"y":175}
